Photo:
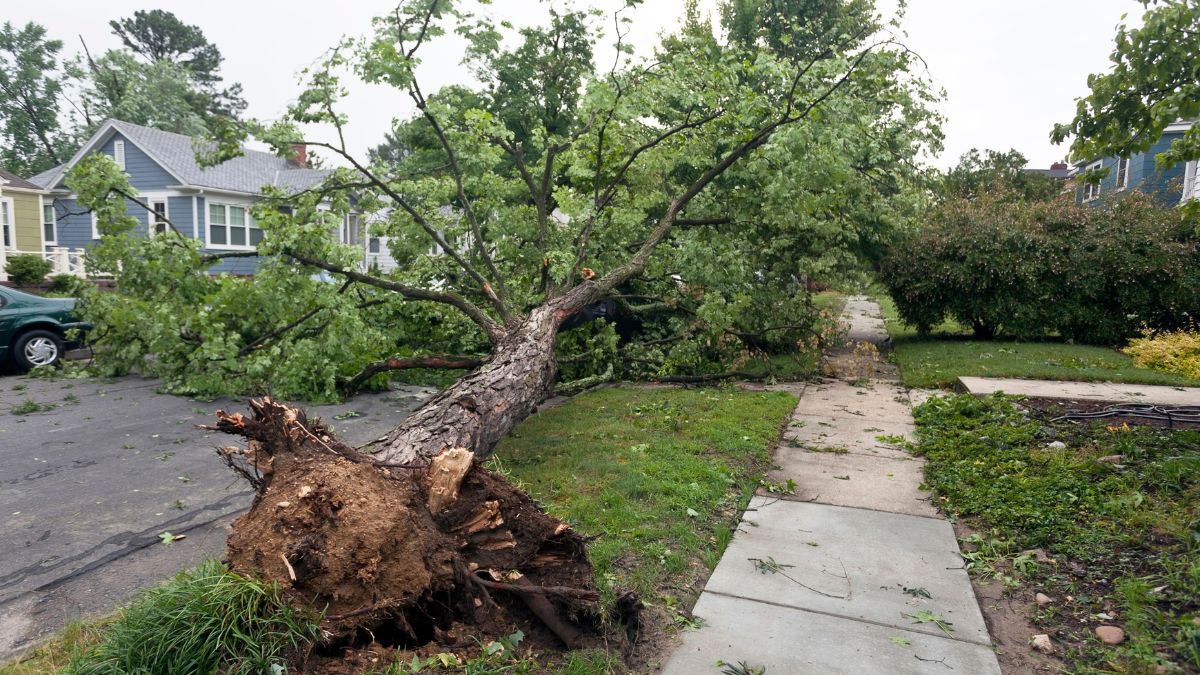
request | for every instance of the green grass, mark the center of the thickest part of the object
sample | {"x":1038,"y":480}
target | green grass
{"x":660,"y":473}
{"x":1125,"y":539}
{"x":202,"y":621}
{"x":938,"y":359}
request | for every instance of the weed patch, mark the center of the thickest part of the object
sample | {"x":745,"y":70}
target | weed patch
{"x":1118,"y":542}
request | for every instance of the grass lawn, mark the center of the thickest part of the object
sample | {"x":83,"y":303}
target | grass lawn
{"x":1122,"y":534}
{"x":938,"y":359}
{"x":660,"y":474}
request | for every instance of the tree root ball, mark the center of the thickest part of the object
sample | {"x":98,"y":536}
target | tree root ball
{"x":442,"y":552}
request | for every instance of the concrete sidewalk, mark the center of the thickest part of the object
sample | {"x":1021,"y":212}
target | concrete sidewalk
{"x":855,"y":572}
{"x":1108,"y":392}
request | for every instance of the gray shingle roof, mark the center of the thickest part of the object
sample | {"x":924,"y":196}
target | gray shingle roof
{"x":177,"y":153}
{"x":10,"y":179}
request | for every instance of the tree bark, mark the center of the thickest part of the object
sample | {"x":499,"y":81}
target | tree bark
{"x":483,"y":406}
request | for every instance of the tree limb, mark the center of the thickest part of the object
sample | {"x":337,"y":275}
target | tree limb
{"x":393,"y":363}
{"x":494,"y":330}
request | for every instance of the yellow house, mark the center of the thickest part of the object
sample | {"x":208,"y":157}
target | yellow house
{"x":26,"y":219}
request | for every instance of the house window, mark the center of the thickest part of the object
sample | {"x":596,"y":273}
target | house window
{"x":373,"y":245}
{"x":232,"y":226}
{"x":49,"y":233}
{"x":6,"y":223}
{"x":119,"y":153}
{"x":1122,"y":173}
{"x":351,"y":235}
{"x":1092,"y":190}
{"x":160,"y":218}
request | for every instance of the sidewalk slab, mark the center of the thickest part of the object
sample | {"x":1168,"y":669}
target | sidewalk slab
{"x":1083,"y":391}
{"x":864,"y":482}
{"x":881,"y":401}
{"x":791,"y":641}
{"x":837,"y":551}
{"x":858,"y":436}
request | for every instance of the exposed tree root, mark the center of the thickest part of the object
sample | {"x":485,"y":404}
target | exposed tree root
{"x":412,"y":552}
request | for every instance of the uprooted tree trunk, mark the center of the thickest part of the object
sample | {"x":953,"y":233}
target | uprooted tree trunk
{"x":418,"y":543}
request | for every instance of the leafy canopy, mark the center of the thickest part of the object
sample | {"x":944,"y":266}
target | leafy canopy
{"x":696,"y":190}
{"x":30,"y":91}
{"x":1154,"y":82}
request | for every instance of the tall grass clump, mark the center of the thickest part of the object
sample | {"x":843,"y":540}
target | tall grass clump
{"x":206,"y":620}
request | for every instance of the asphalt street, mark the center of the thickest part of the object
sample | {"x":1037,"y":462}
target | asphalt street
{"x":92,"y":478}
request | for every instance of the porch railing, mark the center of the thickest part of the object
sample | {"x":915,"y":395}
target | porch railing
{"x":64,"y":260}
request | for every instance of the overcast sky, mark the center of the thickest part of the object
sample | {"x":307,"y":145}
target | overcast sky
{"x":1010,"y":68}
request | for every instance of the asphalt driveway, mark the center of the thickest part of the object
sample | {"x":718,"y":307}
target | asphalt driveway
{"x":93,"y":476}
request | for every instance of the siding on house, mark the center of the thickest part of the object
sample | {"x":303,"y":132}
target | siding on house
{"x":27,"y":220}
{"x":1165,"y":185}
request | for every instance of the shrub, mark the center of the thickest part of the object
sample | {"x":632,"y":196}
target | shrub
{"x":207,"y":620}
{"x":27,"y":270}
{"x":1170,"y":351}
{"x":65,"y":284}
{"x":1033,"y":269}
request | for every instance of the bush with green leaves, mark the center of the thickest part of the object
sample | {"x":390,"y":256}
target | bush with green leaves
{"x":1040,"y":269}
{"x":27,"y":270}
{"x":207,"y":620}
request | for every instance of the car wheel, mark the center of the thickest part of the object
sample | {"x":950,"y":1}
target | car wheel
{"x":37,"y":348}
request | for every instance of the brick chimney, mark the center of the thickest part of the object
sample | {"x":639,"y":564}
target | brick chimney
{"x":1058,"y":166}
{"x":300,"y":154}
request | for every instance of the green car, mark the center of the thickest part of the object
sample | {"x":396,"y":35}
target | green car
{"x":34,"y":330}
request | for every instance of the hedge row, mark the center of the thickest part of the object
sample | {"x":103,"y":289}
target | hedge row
{"x":1035,"y":269}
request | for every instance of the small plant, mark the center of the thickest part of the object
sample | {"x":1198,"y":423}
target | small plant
{"x":27,"y":270}
{"x":70,"y":399}
{"x":1171,"y":351}
{"x":27,"y":407}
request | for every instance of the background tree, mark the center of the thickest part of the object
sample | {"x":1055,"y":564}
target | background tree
{"x":999,"y":173}
{"x":1154,"y":82}
{"x":158,"y":35}
{"x":31,"y":140}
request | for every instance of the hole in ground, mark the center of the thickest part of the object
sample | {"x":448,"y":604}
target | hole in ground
{"x":410,"y":629}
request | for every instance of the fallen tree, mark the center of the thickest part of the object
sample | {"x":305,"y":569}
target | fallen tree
{"x":564,"y":188}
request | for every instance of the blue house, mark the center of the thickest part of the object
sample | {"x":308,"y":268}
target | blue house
{"x":1170,"y":185}
{"x":209,"y":204}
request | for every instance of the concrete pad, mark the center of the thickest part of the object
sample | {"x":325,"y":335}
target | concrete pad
{"x":882,"y":401}
{"x":878,"y":483}
{"x":1084,"y":391}
{"x":856,"y":435}
{"x":791,"y":641}
{"x":838,"y":551}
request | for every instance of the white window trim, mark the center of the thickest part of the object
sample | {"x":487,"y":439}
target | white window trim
{"x":149,"y":199}
{"x":119,"y":153}
{"x":95,"y":230}
{"x":1094,"y":187}
{"x":1190,"y":182}
{"x":1123,"y":183}
{"x":11,"y":226}
{"x":54,"y":222}
{"x":208,"y":204}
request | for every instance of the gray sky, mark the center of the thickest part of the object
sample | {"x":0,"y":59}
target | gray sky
{"x":1010,"y":68}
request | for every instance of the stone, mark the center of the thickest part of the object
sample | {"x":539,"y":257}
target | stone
{"x":1043,"y":599}
{"x":1110,"y":635}
{"x":1039,"y":555}
{"x":1056,"y":445}
{"x":1043,"y":644}
{"x":1109,"y":459}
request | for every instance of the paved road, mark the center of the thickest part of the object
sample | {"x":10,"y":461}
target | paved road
{"x":87,"y":485}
